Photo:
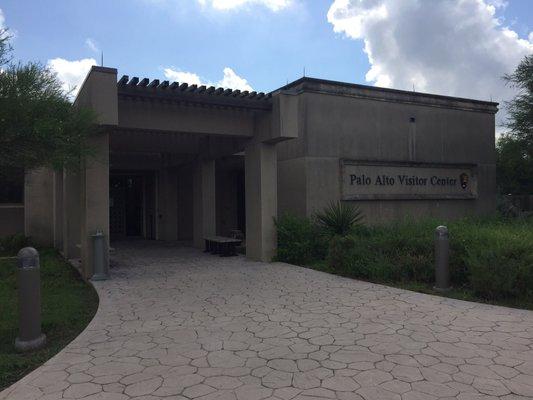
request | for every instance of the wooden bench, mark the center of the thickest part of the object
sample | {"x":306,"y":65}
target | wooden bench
{"x":224,"y":246}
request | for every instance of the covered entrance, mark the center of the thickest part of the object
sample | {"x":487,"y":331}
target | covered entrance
{"x":131,"y":205}
{"x":174,"y":162}
{"x":152,"y":194}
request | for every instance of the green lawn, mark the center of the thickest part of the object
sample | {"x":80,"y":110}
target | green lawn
{"x":68,"y":305}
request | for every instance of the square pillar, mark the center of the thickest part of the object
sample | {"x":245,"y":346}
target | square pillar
{"x":39,"y":206}
{"x":204,"y":201}
{"x":94,"y":200}
{"x":261,"y":200}
{"x":71,"y":214}
{"x":167,"y":218}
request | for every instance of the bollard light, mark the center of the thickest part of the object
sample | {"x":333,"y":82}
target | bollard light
{"x":29,"y":293}
{"x":100,"y":269}
{"x":442,"y":251}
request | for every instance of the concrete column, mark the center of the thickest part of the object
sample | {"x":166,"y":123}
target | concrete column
{"x":58,"y":210}
{"x":98,"y":92}
{"x":204,"y":201}
{"x":168,"y":205}
{"x":71,"y":214}
{"x":39,"y":206}
{"x":261,"y":200}
{"x":94,"y":200}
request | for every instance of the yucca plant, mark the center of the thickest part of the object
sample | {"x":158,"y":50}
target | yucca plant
{"x":338,"y":218}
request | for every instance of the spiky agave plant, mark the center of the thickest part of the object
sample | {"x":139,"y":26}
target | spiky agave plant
{"x":338,"y":218}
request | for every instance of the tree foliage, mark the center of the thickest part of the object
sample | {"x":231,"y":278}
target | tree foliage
{"x":5,"y":47}
{"x":38,"y":124}
{"x":520,"y":120}
{"x":515,"y":148}
{"x":514,"y":166}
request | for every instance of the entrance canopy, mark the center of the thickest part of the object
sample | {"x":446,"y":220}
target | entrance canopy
{"x":175,"y":162}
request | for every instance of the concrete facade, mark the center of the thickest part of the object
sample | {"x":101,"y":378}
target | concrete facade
{"x":176,"y":162}
{"x":341,"y":121}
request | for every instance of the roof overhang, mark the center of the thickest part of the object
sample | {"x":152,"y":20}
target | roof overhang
{"x":191,"y":94}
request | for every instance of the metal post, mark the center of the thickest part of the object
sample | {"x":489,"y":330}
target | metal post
{"x":101,"y":272}
{"x":29,"y":293}
{"x":442,"y":250}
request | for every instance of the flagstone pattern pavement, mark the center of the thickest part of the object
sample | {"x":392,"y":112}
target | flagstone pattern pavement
{"x":174,"y":323}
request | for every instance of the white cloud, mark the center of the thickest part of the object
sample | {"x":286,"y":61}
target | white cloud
{"x":230,"y":79}
{"x":233,"y":81}
{"x":453,"y":47}
{"x":92,"y":45}
{"x":274,"y":5}
{"x":182,"y":76}
{"x":71,"y":73}
{"x":2,"y":19}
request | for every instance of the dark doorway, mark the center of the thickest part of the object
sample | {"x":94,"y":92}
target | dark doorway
{"x":127,"y":204}
{"x":241,"y":202}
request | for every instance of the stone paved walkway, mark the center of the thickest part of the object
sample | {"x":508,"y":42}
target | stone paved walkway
{"x":174,"y":323}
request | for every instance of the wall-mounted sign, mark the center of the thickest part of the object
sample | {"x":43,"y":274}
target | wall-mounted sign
{"x":367,"y":180}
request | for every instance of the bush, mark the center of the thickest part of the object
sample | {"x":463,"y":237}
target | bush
{"x":10,"y":245}
{"x":338,"y":218}
{"x":491,"y":257}
{"x":341,"y":253}
{"x":395,"y":252}
{"x":299,"y":241}
{"x":498,"y":258}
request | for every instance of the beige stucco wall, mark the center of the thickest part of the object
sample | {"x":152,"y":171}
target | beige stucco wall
{"x":38,"y":206}
{"x":176,"y":118}
{"x":339,"y":126}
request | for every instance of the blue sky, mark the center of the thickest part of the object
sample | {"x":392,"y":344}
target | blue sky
{"x":413,"y":43}
{"x":141,"y":37}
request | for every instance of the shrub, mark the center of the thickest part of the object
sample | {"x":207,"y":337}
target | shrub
{"x":394,"y":252}
{"x":338,"y":218}
{"x":499,"y":259}
{"x":340,"y":253}
{"x":10,"y":245}
{"x":299,"y":241}
{"x":491,"y":257}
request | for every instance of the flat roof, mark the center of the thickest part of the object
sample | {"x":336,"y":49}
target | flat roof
{"x":308,"y":84}
{"x":225,"y":97}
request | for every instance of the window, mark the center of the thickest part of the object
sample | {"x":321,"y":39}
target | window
{"x":11,"y":186}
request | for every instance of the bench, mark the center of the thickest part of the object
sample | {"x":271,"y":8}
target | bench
{"x":221,"y":245}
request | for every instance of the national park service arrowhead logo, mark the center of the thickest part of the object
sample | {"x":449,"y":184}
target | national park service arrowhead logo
{"x":463,"y":178}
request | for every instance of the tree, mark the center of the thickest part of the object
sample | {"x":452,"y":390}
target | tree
{"x":515,"y":148}
{"x":39,"y":127}
{"x":514,"y":166}
{"x":5,"y":46}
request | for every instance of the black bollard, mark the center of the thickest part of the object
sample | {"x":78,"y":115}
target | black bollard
{"x":442,"y":268}
{"x":29,"y":293}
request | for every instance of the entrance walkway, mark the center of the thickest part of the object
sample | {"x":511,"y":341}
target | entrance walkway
{"x":176,"y":323}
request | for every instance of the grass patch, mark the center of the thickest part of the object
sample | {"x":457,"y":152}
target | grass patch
{"x":68,"y":305}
